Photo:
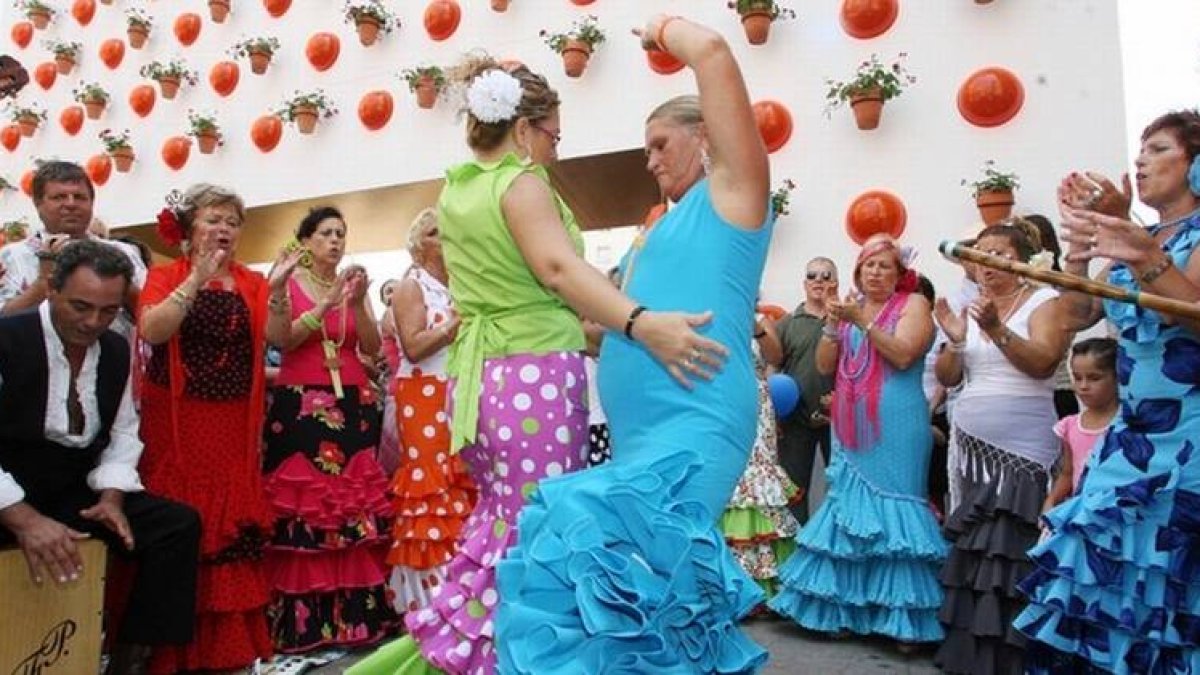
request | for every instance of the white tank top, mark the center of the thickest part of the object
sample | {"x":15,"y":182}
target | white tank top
{"x":987,"y":372}
{"x":438,"y":311}
{"x":999,"y":403}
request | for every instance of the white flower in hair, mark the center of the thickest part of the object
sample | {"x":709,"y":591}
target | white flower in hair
{"x":494,"y":96}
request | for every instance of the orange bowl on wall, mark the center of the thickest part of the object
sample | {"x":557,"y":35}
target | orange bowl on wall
{"x":774,"y":123}
{"x":865,"y":19}
{"x":873,"y":212}
{"x":990,"y":97}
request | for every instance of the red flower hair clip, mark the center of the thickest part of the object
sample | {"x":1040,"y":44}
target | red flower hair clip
{"x":170,"y":230}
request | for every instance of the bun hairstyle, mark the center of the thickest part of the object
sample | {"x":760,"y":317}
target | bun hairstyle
{"x":682,"y":110}
{"x":1021,"y":234}
{"x":538,"y":99}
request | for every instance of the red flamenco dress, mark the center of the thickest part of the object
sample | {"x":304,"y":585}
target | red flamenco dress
{"x":328,"y":494}
{"x":202,"y":406}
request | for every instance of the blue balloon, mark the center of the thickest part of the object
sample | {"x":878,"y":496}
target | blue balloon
{"x":785,"y":393}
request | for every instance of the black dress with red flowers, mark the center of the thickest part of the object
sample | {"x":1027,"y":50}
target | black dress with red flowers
{"x":325,"y":558}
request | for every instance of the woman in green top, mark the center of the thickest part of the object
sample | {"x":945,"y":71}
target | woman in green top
{"x":519,"y":414}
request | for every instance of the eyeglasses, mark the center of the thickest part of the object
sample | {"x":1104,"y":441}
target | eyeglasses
{"x":555,"y":136}
{"x":823,"y":276}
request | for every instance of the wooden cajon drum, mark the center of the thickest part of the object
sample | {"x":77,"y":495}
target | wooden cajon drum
{"x":53,"y":628}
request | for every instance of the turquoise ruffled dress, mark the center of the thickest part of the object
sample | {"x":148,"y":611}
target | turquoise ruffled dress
{"x":621,"y":568}
{"x":867,"y":562}
{"x":1116,"y":588}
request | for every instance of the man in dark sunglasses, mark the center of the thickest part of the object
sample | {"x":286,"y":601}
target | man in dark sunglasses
{"x":807,"y":428}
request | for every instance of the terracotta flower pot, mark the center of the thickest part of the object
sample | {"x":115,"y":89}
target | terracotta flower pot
{"x":169,"y":87}
{"x":575,"y":57}
{"x":426,"y":92}
{"x":500,"y":5}
{"x":94,"y":108}
{"x":306,"y":118}
{"x":122,"y":159}
{"x":64,"y":63}
{"x":137,"y":36}
{"x":757,"y":26}
{"x":218,"y":10}
{"x":38,"y":18}
{"x":28,"y":125}
{"x":368,"y":30}
{"x":259,"y":62}
{"x":207,"y":142}
{"x":867,"y":107}
{"x":994,"y":205}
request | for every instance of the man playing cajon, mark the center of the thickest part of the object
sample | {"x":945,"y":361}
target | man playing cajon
{"x":69,"y":450}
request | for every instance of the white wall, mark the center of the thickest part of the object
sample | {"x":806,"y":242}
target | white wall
{"x":1065,"y":51}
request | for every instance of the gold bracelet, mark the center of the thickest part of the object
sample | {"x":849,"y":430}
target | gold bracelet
{"x":310,"y":321}
{"x":182,"y":299}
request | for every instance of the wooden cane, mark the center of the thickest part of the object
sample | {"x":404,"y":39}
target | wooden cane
{"x":1071,"y":282}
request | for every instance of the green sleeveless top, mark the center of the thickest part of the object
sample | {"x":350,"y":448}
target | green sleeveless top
{"x":504,"y":309}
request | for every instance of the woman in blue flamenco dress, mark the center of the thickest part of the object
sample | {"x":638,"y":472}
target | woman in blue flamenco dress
{"x":867,"y":562}
{"x":1116,"y":588}
{"x":621,"y":568}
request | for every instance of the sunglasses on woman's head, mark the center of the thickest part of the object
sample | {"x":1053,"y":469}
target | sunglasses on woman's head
{"x":823,"y":276}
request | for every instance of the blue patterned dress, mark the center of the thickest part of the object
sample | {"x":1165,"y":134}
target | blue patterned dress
{"x":1117,"y":587}
{"x":621,"y":568}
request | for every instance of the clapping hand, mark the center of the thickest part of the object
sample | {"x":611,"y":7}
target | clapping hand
{"x":356,"y":283}
{"x":953,"y":325}
{"x":1095,"y":192}
{"x":208,"y":259}
{"x":983,"y":312}
{"x":1095,"y":235}
{"x":281,"y":270}
{"x":848,"y":310}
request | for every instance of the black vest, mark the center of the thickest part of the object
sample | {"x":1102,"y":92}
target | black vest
{"x":48,"y":472}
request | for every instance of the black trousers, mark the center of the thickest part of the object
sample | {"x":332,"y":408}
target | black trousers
{"x":797,"y":453}
{"x":166,"y":536}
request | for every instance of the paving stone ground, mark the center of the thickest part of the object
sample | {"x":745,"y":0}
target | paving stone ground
{"x":797,"y":652}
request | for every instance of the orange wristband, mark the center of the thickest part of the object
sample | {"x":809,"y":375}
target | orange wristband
{"x":658,"y":36}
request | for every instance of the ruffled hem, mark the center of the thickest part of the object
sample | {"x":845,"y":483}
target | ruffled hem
{"x":991,"y":530}
{"x":869,"y":564}
{"x":399,"y":657}
{"x":314,"y":509}
{"x":749,"y":525}
{"x":344,"y":618}
{"x":413,"y":589}
{"x":455,"y":630}
{"x":763,"y":485}
{"x":613,"y":574}
{"x":222,"y":641}
{"x":418,"y":480}
{"x":1118,"y":584}
{"x":302,"y":572}
{"x":857,"y":522}
{"x":762,"y":561}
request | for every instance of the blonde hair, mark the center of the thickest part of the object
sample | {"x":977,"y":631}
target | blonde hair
{"x":206,"y":195}
{"x":425,"y":221}
{"x":682,"y":110}
{"x":538,"y":99}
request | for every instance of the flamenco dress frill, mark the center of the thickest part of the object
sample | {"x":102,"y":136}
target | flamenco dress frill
{"x":1116,"y":588}
{"x":757,"y":524}
{"x":867,"y":561}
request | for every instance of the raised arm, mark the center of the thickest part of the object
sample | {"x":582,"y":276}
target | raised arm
{"x":740,"y":175}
